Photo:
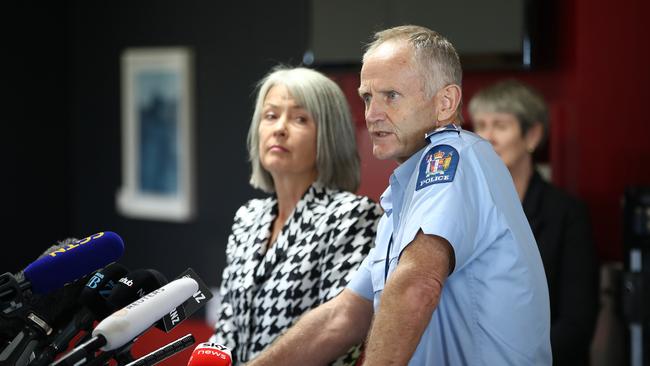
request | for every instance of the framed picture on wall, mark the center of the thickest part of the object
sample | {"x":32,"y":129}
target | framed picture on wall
{"x":157,"y":156}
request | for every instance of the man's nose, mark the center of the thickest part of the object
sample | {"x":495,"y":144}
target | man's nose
{"x":375,"y":111}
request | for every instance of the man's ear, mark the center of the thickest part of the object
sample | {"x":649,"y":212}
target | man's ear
{"x":534,"y":136}
{"x":447,"y":101}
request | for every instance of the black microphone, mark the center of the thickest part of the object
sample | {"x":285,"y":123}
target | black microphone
{"x":93,"y":297}
{"x":133,"y":286}
{"x":45,"y":313}
{"x":22,"y":323}
{"x":13,"y":302}
{"x":164,"y":352}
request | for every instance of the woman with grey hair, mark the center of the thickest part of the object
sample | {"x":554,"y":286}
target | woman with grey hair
{"x":298,"y":248}
{"x":513,"y":117}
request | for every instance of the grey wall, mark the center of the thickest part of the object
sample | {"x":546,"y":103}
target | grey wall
{"x":234,"y":44}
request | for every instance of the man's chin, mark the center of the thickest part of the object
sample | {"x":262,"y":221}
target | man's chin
{"x":382,"y":154}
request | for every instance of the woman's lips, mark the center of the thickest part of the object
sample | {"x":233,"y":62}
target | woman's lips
{"x":278,"y":148}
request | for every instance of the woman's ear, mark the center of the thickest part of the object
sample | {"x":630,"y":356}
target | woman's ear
{"x":534,"y":136}
{"x":447,"y":101}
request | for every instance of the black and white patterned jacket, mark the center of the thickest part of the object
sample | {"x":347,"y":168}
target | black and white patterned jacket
{"x":315,"y":255}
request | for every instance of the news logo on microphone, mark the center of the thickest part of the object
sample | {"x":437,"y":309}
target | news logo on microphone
{"x":210,"y":354}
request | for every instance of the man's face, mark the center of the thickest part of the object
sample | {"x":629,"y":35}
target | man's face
{"x":398,"y":111}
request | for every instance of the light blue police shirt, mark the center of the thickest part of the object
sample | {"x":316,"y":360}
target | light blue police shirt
{"x":494,"y":308}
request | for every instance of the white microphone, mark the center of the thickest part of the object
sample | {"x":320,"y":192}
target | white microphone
{"x":127,"y":323}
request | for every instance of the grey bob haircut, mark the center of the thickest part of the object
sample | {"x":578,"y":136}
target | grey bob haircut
{"x":514,"y":97}
{"x":337,"y":159}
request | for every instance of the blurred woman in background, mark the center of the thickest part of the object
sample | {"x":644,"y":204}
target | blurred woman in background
{"x":513,"y":117}
{"x":297,"y":248}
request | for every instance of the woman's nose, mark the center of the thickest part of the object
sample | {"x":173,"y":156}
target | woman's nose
{"x":487,"y":134}
{"x":280,"y":127}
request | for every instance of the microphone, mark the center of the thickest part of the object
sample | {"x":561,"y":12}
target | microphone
{"x":164,"y":352}
{"x":133,"y":286}
{"x":123,"y":325}
{"x":43,"y":314}
{"x":66,"y":264}
{"x":13,"y":305}
{"x":210,"y":354}
{"x":93,"y":298}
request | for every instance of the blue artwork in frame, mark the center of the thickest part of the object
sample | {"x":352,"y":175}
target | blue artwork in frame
{"x":156,"y":138}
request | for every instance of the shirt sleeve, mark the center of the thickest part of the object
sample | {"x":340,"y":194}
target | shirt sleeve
{"x":449,"y":210}
{"x":361,"y":282}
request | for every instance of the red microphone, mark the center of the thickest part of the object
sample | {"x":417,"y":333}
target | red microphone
{"x":210,"y":354}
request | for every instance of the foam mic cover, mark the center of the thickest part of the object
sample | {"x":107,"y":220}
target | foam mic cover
{"x":76,"y":260}
{"x":210,"y":354}
{"x":99,"y":287}
{"x":133,"y":286}
{"x":127,"y":323}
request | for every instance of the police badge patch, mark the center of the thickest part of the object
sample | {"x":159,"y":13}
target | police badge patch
{"x":437,"y":166}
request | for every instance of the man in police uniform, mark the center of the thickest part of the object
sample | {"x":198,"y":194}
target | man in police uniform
{"x":455,"y":277}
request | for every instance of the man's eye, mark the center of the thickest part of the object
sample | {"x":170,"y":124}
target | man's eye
{"x":366,"y":98}
{"x":392,"y":95}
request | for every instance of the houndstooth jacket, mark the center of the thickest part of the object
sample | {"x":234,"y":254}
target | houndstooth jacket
{"x":315,"y":255}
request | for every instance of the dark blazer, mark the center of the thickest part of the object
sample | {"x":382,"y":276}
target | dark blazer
{"x":561,"y":227}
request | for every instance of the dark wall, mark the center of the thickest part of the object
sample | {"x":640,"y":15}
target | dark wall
{"x":35,"y":133}
{"x":71,"y":92}
{"x":234,"y":44}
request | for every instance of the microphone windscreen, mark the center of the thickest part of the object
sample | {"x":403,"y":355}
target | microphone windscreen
{"x":133,"y":286}
{"x":210,"y":354}
{"x":76,"y":260}
{"x":99,"y":287}
{"x":127,"y":323}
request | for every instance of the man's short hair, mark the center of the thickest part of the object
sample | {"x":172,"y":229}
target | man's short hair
{"x":434,"y":54}
{"x":514,"y":97}
{"x":337,"y":159}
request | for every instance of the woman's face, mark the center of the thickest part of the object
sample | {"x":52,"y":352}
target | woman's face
{"x":504,"y":133}
{"x":287,"y":134}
